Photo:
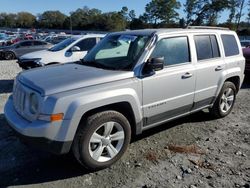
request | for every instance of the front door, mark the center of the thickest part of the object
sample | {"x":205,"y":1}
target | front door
{"x":169,"y":92}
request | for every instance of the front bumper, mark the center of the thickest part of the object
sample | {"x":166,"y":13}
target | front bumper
{"x":27,"y":64}
{"x":38,"y":134}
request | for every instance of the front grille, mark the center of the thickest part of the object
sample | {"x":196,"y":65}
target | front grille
{"x":19,"y":96}
{"x":27,"y":63}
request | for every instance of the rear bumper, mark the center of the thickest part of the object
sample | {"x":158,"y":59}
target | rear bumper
{"x":38,"y":133}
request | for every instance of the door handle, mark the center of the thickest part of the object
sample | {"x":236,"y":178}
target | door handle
{"x":219,"y":68}
{"x":187,"y":75}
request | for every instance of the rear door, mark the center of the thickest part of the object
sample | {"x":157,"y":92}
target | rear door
{"x":210,"y":66}
{"x":169,"y":92}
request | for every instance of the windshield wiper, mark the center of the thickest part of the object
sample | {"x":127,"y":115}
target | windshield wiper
{"x":95,"y":64}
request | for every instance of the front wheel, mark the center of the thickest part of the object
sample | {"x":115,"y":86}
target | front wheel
{"x":225,"y":101}
{"x":102,"y":140}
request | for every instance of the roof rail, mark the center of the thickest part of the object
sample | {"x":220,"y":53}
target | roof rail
{"x":206,"y":27}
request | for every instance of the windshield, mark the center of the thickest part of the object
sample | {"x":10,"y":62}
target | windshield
{"x":62,"y":45}
{"x":117,"y":52}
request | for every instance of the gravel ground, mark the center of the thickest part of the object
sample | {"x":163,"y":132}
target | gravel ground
{"x":195,"y":151}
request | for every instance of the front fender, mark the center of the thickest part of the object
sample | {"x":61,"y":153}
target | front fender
{"x":89,"y":102}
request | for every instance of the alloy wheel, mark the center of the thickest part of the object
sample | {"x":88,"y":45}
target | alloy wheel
{"x":227,"y":100}
{"x":106,"y":141}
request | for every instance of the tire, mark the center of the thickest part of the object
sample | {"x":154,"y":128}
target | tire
{"x":101,"y":140}
{"x":9,"y":56}
{"x":225,"y":101}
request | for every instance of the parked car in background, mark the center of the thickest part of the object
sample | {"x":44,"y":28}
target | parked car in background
{"x":55,"y":39}
{"x":245,"y":43}
{"x":4,"y":39}
{"x":16,"y":50}
{"x":69,"y":50}
{"x":246,"y":53}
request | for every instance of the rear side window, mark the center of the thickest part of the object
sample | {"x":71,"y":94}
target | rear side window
{"x":174,"y":50}
{"x":230,"y":45}
{"x":215,"y":47}
{"x":26,"y":43}
{"x":206,"y":47}
{"x":38,"y":43}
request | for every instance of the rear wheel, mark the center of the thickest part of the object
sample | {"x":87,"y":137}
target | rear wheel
{"x":225,"y":101}
{"x":9,"y":56}
{"x":102,"y":140}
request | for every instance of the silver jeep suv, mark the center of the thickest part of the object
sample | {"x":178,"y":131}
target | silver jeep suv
{"x":130,"y":82}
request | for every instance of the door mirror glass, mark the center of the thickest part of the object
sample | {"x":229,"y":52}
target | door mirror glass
{"x":75,"y":49}
{"x":156,"y":64}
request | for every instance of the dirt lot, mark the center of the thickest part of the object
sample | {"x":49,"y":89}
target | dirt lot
{"x":195,"y":151}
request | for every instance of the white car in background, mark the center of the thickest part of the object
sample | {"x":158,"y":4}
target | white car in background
{"x":70,"y":50}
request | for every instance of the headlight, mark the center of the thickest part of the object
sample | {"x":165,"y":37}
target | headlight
{"x":38,"y":61}
{"x":33,"y":107}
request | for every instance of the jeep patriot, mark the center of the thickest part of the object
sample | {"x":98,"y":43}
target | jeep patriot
{"x":129,"y":82}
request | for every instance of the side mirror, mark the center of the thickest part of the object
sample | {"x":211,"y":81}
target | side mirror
{"x":75,"y":49}
{"x":156,"y":64}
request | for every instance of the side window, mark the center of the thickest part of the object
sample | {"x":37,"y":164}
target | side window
{"x":26,"y":44}
{"x":174,"y":50}
{"x":206,"y":47}
{"x":230,"y":45}
{"x":86,"y":44}
{"x":215,"y":47}
{"x":38,"y":43}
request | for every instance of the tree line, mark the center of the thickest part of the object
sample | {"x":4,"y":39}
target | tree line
{"x":158,"y":13}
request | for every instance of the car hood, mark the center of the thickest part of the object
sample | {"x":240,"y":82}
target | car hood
{"x":37,"y":54}
{"x":65,"y":77}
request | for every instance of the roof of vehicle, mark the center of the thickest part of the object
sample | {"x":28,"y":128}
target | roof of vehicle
{"x":148,"y":32}
{"x":76,"y":37}
{"x":30,"y":41}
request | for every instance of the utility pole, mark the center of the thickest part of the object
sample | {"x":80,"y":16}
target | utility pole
{"x":240,"y":14}
{"x":71,"y":30}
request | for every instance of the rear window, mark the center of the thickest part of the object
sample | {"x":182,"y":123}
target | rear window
{"x":230,"y":45}
{"x":206,"y":47}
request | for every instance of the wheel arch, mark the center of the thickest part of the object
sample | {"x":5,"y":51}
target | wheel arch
{"x":11,"y":51}
{"x":235,"y":80}
{"x":122,"y":107}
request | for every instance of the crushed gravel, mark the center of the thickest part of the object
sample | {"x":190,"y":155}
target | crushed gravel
{"x":195,"y":151}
